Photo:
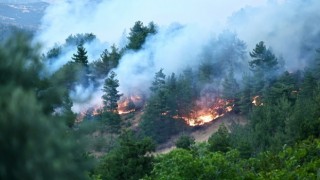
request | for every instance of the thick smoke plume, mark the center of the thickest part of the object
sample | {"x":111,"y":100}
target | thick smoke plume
{"x":185,"y":30}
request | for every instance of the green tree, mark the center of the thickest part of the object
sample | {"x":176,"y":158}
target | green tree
{"x":81,"y":56}
{"x":177,"y":164}
{"x":241,"y":139}
{"x":298,"y":161}
{"x":268,"y":125}
{"x":262,"y":58}
{"x":264,"y":65}
{"x":54,"y":52}
{"x":132,"y":159}
{"x":220,"y":140}
{"x":15,"y":53}
{"x":66,"y":112}
{"x":114,"y":56}
{"x":305,"y":119}
{"x":183,"y":164}
{"x":246,"y":95}
{"x":111,"y":96}
{"x":185,"y":142}
{"x":138,"y":34}
{"x":35,"y":146}
{"x":186,"y":93}
{"x":112,"y":121}
{"x":230,"y":86}
{"x":78,"y":39}
{"x":34,"y":143}
{"x":158,"y":82}
{"x":101,"y":66}
{"x":158,"y":121}
{"x":107,"y":61}
{"x":172,"y":89}
{"x":285,"y":85}
{"x":110,"y":100}
{"x":68,"y":75}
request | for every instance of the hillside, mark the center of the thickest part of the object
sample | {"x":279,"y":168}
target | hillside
{"x":203,"y":132}
{"x":108,"y":90}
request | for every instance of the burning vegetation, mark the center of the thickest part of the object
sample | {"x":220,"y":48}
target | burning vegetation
{"x":205,"y":110}
{"x":208,"y":110}
{"x":130,"y":104}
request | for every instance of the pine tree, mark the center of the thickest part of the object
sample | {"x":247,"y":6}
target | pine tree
{"x":114,"y":57}
{"x":101,"y":67}
{"x":157,"y":121}
{"x":230,"y":86}
{"x":246,"y":94}
{"x":78,"y":39}
{"x":111,"y":96}
{"x":185,"y":93}
{"x":159,"y":81}
{"x":264,"y":66}
{"x":34,"y":143}
{"x":131,"y":159}
{"x":138,"y":35}
{"x":263,"y":58}
{"x":81,"y":56}
{"x":106,"y":62}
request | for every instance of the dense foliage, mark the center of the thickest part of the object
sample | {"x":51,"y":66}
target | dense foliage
{"x":130,"y":160}
{"x":35,"y":144}
{"x":300,"y":161}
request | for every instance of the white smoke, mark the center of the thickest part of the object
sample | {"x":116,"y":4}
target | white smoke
{"x":108,"y":18}
{"x":93,"y":48}
{"x":173,"y":48}
{"x":291,"y":28}
{"x":84,"y":98}
{"x":184,"y":28}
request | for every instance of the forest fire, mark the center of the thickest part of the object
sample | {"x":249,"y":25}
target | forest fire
{"x":130,"y":104}
{"x":126,"y":105}
{"x":94,"y":111}
{"x":205,"y":110}
{"x":209,"y":110}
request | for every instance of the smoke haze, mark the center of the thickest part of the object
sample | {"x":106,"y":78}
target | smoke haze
{"x":109,"y":18}
{"x":290,"y":27}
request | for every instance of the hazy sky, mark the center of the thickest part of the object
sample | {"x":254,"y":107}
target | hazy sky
{"x":109,"y":19}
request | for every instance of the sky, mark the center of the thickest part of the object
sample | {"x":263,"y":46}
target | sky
{"x":109,"y":19}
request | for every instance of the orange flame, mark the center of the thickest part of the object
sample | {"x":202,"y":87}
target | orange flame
{"x":128,"y":104}
{"x":94,"y":111}
{"x":205,"y":114}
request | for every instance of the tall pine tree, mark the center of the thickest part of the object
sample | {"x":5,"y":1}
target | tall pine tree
{"x":138,"y":35}
{"x":263,"y":58}
{"x":81,"y":56}
{"x":111,"y":96}
{"x":110,"y":101}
